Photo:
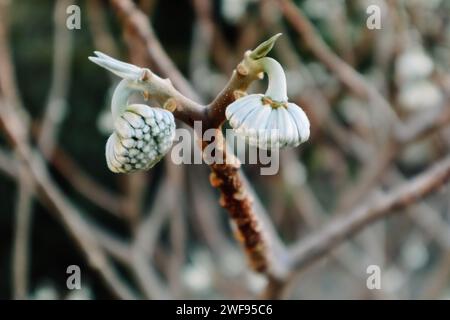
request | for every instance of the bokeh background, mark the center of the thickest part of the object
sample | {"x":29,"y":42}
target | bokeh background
{"x":171,"y":213}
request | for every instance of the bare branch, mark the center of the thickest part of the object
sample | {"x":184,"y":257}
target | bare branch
{"x":136,"y":24}
{"x":335,"y":232}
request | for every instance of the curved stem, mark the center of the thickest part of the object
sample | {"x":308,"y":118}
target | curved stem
{"x":276,"y":89}
{"x":120,"y":98}
{"x":122,"y":93}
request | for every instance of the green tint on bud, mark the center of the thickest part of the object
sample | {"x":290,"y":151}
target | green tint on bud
{"x":269,"y":120}
{"x":142,"y":136}
{"x":264,"y":48}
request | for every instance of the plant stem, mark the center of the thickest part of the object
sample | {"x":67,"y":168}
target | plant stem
{"x":276,"y":89}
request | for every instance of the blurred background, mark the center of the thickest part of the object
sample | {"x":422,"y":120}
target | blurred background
{"x":162,"y":233}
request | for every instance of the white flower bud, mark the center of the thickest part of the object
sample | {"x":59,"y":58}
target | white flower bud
{"x":142,"y":136}
{"x":413,"y":64}
{"x":267,"y":124}
{"x":269,"y":121}
{"x":420,"y":95}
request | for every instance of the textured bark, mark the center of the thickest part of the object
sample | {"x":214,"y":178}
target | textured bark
{"x":238,"y":203}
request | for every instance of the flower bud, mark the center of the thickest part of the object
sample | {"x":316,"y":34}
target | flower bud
{"x":142,"y":136}
{"x":268,"y":120}
{"x":412,"y":65}
{"x":266,"y":123}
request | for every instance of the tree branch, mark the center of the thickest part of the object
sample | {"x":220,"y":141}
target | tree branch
{"x":335,"y":232}
{"x":226,"y":177}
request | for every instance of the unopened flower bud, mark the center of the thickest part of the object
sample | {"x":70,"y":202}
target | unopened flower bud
{"x":267,"y":124}
{"x":269,"y":121}
{"x":142,"y":136}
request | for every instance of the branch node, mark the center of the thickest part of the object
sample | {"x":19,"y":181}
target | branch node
{"x":237,"y":94}
{"x":170,"y":105}
{"x":242,"y":70}
{"x":214,"y":180}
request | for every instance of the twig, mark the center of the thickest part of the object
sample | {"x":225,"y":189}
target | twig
{"x":7,"y":164}
{"x":20,"y":261}
{"x":102,"y":38}
{"x":84,"y":184}
{"x":136,"y":24}
{"x":144,"y":245}
{"x":177,"y":227}
{"x":8,"y":82}
{"x":317,"y":245}
{"x":236,"y":200}
{"x":351,"y":78}
{"x":23,"y":212}
{"x":221,"y":52}
{"x":69,"y":215}
{"x":206,"y":213}
{"x":226,"y":177}
{"x":56,"y":106}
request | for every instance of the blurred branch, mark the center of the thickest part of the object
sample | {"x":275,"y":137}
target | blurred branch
{"x":136,"y":24}
{"x":7,"y":165}
{"x":178,"y":227}
{"x":56,"y":106}
{"x":211,"y":32}
{"x":24,"y":203}
{"x":334,"y":233}
{"x":69,"y":215}
{"x":144,"y":245}
{"x":84,"y":184}
{"x":349,"y":76}
{"x":320,"y":243}
{"x":12,"y":115}
{"x":419,"y":127}
{"x":8,"y":82}
{"x":23,"y":215}
{"x":103,"y":39}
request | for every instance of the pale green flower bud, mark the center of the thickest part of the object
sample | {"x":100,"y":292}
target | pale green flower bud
{"x":142,"y":136}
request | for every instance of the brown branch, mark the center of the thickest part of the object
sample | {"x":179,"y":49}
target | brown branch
{"x":245,"y":73}
{"x":8,"y":82}
{"x":236,"y":200}
{"x":7,"y":165}
{"x":21,"y":250}
{"x":93,"y":241}
{"x":54,"y":111}
{"x":144,"y":244}
{"x":221,"y":53}
{"x":335,"y":232}
{"x":227,"y":177}
{"x":177,"y":227}
{"x":351,"y":78}
{"x":206,"y":213}
{"x":80,"y":230}
{"x":24,"y":203}
{"x":56,"y":105}
{"x":84,"y":184}
{"x":101,"y":35}
{"x":379,"y":160}
{"x":136,"y":24}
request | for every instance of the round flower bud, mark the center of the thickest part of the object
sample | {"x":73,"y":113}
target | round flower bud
{"x":413,"y":64}
{"x":266,"y":123}
{"x":420,"y":95}
{"x":142,"y":136}
{"x":268,"y":120}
